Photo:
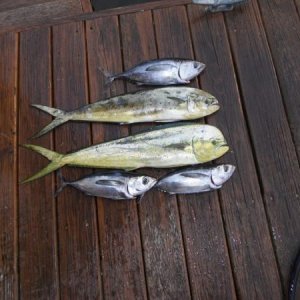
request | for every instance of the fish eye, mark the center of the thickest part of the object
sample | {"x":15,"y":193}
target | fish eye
{"x":226,"y":168}
{"x":195,"y":65}
{"x":214,"y":142}
{"x":145,"y":180}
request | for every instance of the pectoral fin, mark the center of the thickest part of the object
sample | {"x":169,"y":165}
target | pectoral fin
{"x":104,"y":182}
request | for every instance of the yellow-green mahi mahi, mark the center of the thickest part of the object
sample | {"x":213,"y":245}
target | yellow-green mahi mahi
{"x":159,"y":105}
{"x":161,"y":147}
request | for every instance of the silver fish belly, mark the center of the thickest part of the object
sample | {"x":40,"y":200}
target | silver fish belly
{"x":115,"y":185}
{"x":219,"y":5}
{"x":161,"y":72}
{"x":195,"y":180}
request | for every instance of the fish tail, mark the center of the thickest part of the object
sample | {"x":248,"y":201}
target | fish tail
{"x":109,"y":78}
{"x":60,"y":118}
{"x":63,"y":183}
{"x":54,"y":157}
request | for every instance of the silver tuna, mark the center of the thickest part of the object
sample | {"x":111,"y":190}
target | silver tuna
{"x":115,"y":185}
{"x":219,"y":5}
{"x":195,"y":180}
{"x":160,"y":72}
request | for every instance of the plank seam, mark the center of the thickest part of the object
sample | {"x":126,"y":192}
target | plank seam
{"x":277,"y":77}
{"x":55,"y":181}
{"x":136,"y":205}
{"x":16,"y":200}
{"x":100,"y":277}
{"x":250,"y":139}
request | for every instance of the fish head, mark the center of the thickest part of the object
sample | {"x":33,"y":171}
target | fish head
{"x":209,"y":144}
{"x":189,"y":69}
{"x":201,"y":102}
{"x":139,"y":185}
{"x":221,"y":174}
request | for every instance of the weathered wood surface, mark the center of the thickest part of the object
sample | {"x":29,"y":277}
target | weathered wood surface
{"x":77,"y":216}
{"x":273,"y":146}
{"x":164,"y":256}
{"x":236,"y":243}
{"x":38,"y":13}
{"x":121,"y":250}
{"x":197,"y":210}
{"x":8,"y":167}
{"x":37,"y":215}
{"x":242,"y":205}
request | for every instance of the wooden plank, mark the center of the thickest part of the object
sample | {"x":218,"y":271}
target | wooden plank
{"x":252,"y":254}
{"x":78,"y":16}
{"x":77,"y":222}
{"x":8,"y":167}
{"x":271,"y":137}
{"x":38,"y":14}
{"x":201,"y":219}
{"x":37,"y":208}
{"x":121,"y":251}
{"x":159,"y":219}
{"x":86,"y":6}
{"x":10,"y":5}
{"x":283,"y":36}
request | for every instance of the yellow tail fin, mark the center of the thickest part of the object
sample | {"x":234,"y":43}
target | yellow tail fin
{"x":54,"y":157}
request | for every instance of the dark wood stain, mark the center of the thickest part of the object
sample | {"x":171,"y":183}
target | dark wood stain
{"x":8,"y":166}
{"x":238,"y":243}
{"x":37,"y":226}
{"x":242,"y":205}
{"x":121,"y":249}
{"x":270,"y":133}
{"x":77,"y":222}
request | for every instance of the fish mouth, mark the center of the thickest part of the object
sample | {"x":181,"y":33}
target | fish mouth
{"x":201,"y":67}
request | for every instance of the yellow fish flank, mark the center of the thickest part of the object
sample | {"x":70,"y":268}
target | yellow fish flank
{"x":167,"y":104}
{"x":162,"y":147}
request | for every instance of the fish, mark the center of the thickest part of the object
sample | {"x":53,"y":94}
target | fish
{"x":166,"y":104}
{"x":161,"y":147}
{"x":115,"y":185}
{"x":166,"y":71}
{"x":195,"y":180}
{"x":214,"y":6}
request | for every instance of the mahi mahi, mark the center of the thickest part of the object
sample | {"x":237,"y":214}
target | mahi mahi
{"x":159,"y":105}
{"x":161,"y":147}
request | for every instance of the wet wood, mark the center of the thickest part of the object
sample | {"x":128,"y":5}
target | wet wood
{"x":77,"y":222}
{"x":38,"y":14}
{"x":245,"y":221}
{"x":121,"y":250}
{"x":8,"y":167}
{"x":164,"y":257}
{"x":282,"y":32}
{"x":198,"y":212}
{"x":37,"y":215}
{"x":270,"y":133}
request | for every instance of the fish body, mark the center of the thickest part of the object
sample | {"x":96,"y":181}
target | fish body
{"x":166,"y":104}
{"x":219,"y":5}
{"x":116,"y":185}
{"x":161,"y":72}
{"x":161,"y":147}
{"x":195,"y":180}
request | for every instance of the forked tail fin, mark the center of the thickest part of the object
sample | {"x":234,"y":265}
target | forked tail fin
{"x":109,"y":78}
{"x":60,"y":118}
{"x":63,"y":183}
{"x":54,"y":157}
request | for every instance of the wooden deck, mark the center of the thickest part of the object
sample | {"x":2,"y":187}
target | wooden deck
{"x":238,"y":243}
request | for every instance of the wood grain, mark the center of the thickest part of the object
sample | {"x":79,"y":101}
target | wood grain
{"x":38,"y":14}
{"x":8,"y":166}
{"x":284,"y":40}
{"x":77,"y":223}
{"x":164,"y":257}
{"x":270,"y":133}
{"x":121,"y":250}
{"x":201,"y":219}
{"x":248,"y":236}
{"x":37,"y":208}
